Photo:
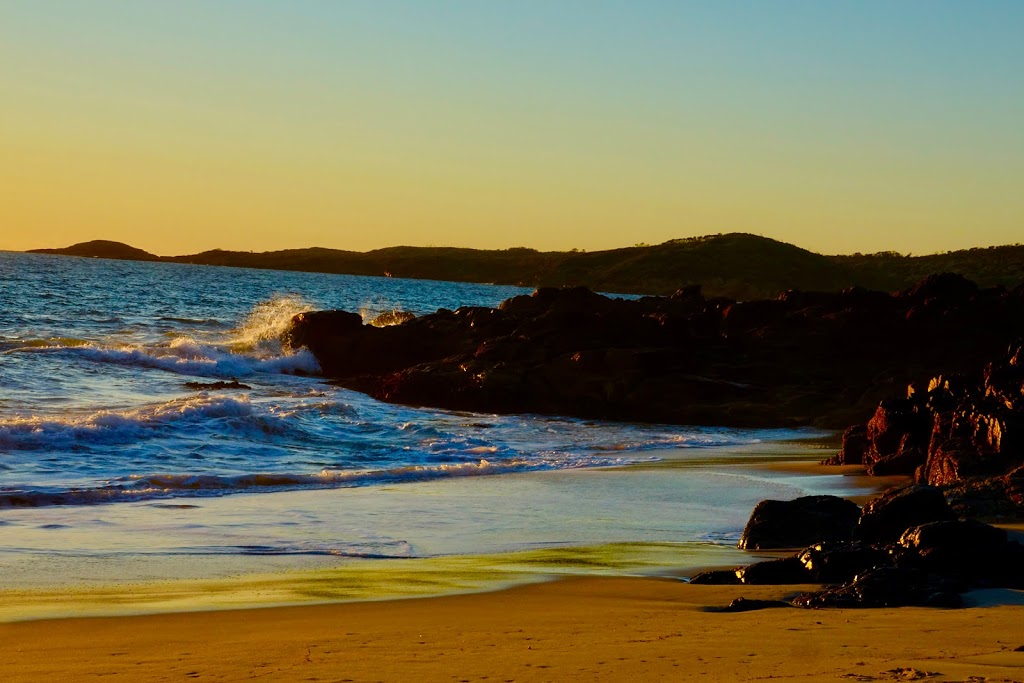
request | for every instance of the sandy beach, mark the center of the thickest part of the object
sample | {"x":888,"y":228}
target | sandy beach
{"x":575,"y":629}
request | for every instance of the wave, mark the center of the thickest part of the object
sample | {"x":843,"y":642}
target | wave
{"x":7,"y":345}
{"x":186,"y":356}
{"x":191,"y":321}
{"x":118,"y":427}
{"x":156,"y":486}
{"x":253,"y":347}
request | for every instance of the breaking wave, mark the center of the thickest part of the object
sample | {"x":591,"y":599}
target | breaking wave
{"x":253,"y":347}
{"x":186,"y":356}
{"x":114,"y":427}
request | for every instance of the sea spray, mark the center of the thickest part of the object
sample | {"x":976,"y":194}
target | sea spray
{"x":260,"y":332}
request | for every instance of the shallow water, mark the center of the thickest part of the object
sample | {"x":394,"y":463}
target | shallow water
{"x":107,"y":460}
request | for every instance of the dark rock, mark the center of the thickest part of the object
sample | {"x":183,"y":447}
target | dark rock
{"x":393,"y":317}
{"x":968,"y":549}
{"x":942,"y":286}
{"x":970,"y":442}
{"x":840,"y":562}
{"x":962,"y":428}
{"x":999,"y":498}
{"x":885,"y":518}
{"x":312,"y":328}
{"x":855,"y":445}
{"x":882,"y":587}
{"x":944,"y":599}
{"x":742,"y":604}
{"x":717,"y":577}
{"x":799,"y":522}
{"x":896,"y":437}
{"x":1010,"y":567}
{"x":775,"y":572}
{"x":216,"y":386}
{"x":804,"y":358}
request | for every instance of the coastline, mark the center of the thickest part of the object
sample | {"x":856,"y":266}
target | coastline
{"x":588,"y":628}
{"x":165,"y":584}
{"x":609,"y":612}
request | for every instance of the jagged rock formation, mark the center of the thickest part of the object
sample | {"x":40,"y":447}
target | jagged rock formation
{"x":963,"y":432}
{"x":803,"y":358}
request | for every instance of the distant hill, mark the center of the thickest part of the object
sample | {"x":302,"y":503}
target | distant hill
{"x":102,"y":249}
{"x":738,"y":265}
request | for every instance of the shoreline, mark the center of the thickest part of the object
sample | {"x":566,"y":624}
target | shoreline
{"x":318,"y":580}
{"x":607,"y":612}
{"x":590,"y":628}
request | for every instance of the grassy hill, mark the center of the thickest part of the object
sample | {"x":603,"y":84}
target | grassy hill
{"x":736,"y":265}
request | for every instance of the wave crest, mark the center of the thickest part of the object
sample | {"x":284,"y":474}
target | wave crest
{"x":105,"y":426}
{"x":186,"y":356}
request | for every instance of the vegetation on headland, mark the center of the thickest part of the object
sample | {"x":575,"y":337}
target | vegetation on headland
{"x":736,"y":265}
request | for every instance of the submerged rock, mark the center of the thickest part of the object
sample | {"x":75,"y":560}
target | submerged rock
{"x":216,"y":386}
{"x":393,"y":317}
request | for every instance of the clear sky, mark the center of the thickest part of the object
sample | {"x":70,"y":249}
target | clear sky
{"x":185,"y":125}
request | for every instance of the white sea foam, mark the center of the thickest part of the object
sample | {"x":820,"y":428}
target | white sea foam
{"x":262,"y":328}
{"x":251,"y":348}
{"x":150,"y":486}
{"x":105,"y":426}
{"x":186,"y":356}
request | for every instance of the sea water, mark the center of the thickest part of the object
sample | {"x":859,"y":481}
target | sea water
{"x":111,"y":466}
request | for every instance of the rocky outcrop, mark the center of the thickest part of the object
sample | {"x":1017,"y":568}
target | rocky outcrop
{"x":908,"y":548}
{"x":961,"y":432}
{"x":804,"y":358}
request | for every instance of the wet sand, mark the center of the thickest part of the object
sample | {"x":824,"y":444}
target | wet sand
{"x":533,"y":629}
{"x":590,"y":628}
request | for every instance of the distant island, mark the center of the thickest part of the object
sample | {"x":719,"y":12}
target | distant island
{"x":736,"y":265}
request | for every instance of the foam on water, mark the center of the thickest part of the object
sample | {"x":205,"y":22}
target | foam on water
{"x":186,"y":356}
{"x":113,"y":427}
{"x":154,"y":486}
{"x":251,"y":348}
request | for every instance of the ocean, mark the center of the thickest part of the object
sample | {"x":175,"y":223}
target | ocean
{"x":111,"y":468}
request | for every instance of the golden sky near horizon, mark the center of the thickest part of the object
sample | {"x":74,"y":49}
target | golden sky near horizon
{"x":179,"y":127}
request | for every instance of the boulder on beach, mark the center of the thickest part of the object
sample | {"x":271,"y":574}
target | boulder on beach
{"x":800,"y":522}
{"x":885,"y":518}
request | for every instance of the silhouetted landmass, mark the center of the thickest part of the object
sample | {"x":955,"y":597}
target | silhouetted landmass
{"x":102,"y":249}
{"x":737,"y":265}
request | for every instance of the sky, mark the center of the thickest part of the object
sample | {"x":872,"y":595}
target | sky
{"x":555,"y":124}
